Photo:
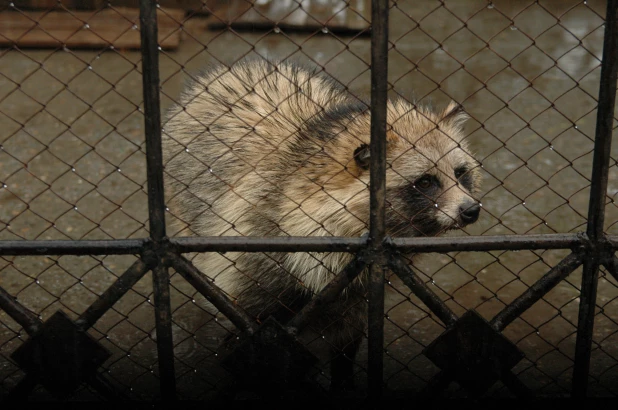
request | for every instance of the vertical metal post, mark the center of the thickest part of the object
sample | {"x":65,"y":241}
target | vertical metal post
{"x":605,"y":119}
{"x":596,"y":210}
{"x":379,"y":71}
{"x":156,"y":203}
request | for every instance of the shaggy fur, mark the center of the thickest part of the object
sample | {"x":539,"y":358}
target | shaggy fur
{"x":276,"y":149}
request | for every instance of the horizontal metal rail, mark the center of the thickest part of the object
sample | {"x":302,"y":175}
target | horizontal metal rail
{"x":297,"y":244}
{"x":79,"y":247}
{"x":270,"y":244}
{"x":490,"y":243}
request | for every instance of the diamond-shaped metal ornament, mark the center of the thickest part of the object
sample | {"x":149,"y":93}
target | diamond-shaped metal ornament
{"x":61,"y":356}
{"x":271,"y":356}
{"x":473,"y":353}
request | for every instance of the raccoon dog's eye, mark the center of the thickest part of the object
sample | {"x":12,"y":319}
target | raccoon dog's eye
{"x":424,"y":182}
{"x":362,"y":156}
{"x":459,"y":172}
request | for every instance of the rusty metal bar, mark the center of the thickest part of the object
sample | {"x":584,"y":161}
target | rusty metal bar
{"x":28,"y":320}
{"x":268,"y":244}
{"x":377,"y":190}
{"x":598,"y":190}
{"x":211,"y":292}
{"x":81,"y":247}
{"x":296,"y":244}
{"x":163,"y":324}
{"x":328,"y":294}
{"x":418,"y":287}
{"x":611,"y":264}
{"x":585,"y":324}
{"x":604,"y":127}
{"x":152,"y":118}
{"x":489,"y":243}
{"x":537,"y":291}
{"x":112,"y":295}
{"x":156,"y":205}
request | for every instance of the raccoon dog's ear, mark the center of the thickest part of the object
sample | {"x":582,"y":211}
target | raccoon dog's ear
{"x":362,"y":156}
{"x":454,"y":114}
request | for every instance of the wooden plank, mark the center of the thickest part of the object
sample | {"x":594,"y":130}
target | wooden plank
{"x":35,"y":4}
{"x":115,"y":27}
{"x":343,"y":16}
{"x":99,"y":4}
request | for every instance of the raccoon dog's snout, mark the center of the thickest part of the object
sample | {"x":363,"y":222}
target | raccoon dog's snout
{"x":469,"y":212}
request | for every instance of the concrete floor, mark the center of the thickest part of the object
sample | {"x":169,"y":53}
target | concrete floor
{"x":72,"y":166}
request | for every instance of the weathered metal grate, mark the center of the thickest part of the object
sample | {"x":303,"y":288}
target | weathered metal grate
{"x":591,"y":250}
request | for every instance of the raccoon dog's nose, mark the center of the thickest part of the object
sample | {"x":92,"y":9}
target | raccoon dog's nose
{"x":469,"y":212}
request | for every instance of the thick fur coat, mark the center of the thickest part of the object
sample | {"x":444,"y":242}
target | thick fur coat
{"x":278,"y":149}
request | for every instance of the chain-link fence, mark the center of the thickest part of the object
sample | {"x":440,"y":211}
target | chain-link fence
{"x":74,"y":167}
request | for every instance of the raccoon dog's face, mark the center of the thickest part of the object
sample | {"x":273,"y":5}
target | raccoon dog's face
{"x":431,"y":178}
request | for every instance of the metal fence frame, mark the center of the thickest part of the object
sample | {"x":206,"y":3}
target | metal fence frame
{"x":592,"y":248}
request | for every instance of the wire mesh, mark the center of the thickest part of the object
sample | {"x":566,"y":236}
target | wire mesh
{"x":72,"y":166}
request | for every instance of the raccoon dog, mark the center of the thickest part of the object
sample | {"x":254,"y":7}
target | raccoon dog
{"x":277,"y":149}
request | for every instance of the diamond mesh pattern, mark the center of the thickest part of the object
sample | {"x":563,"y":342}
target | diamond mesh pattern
{"x":72,"y":166}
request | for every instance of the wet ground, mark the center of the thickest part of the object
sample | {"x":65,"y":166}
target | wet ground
{"x":72,"y":166}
